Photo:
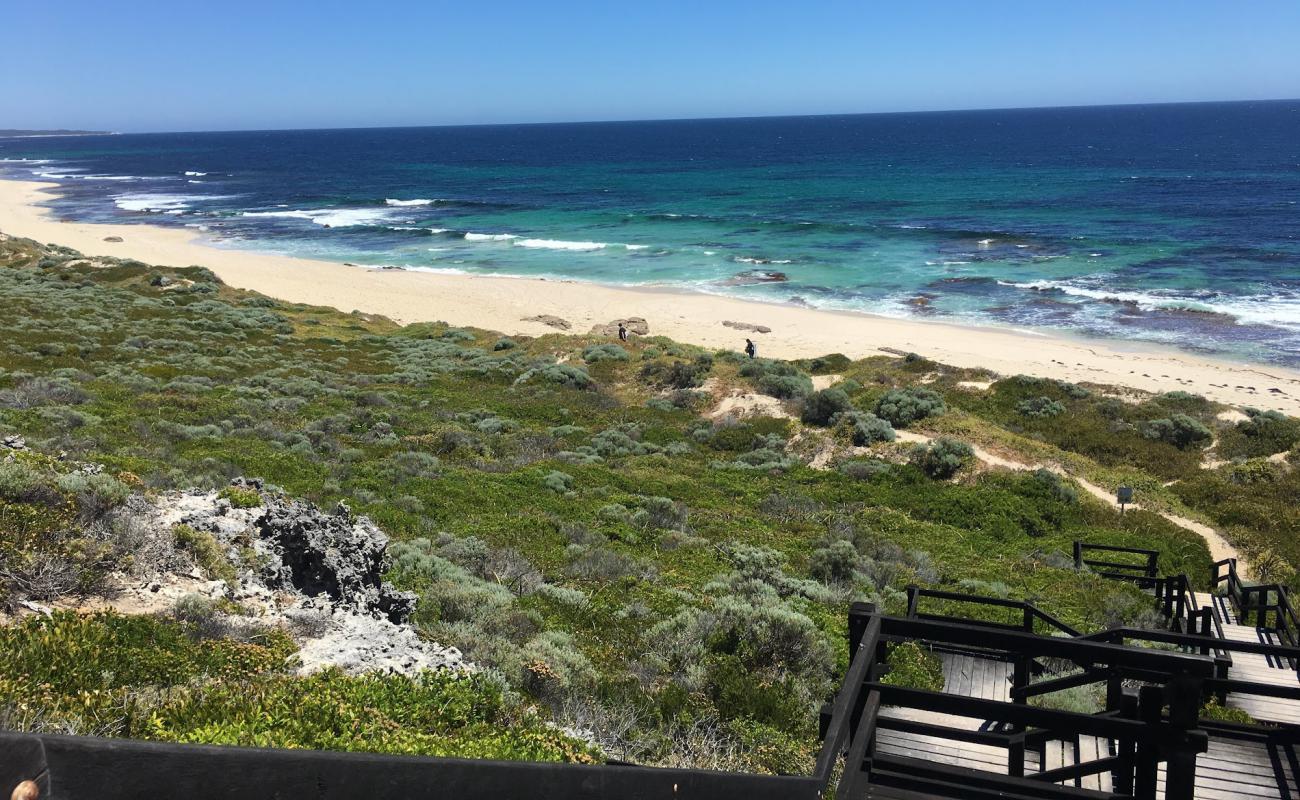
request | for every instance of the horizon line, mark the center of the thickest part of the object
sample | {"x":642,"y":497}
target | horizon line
{"x":742,"y":117}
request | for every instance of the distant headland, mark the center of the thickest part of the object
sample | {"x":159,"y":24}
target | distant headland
{"x":17,"y":133}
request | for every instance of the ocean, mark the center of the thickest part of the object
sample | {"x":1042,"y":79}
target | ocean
{"x":1175,"y":224}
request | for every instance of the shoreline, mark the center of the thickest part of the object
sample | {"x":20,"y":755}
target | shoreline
{"x":503,"y":304}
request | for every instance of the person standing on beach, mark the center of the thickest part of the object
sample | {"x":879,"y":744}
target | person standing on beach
{"x":751,"y":349}
{"x":622,"y":332}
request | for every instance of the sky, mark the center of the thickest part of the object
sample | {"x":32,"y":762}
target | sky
{"x":142,"y":65}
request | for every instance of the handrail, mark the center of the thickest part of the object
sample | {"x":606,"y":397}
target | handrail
{"x":1147,"y":570}
{"x":1286,"y":620}
{"x":1145,"y":735}
{"x":847,"y":697}
{"x":1029,"y":611}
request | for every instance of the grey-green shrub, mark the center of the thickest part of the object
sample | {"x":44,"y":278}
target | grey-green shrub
{"x":942,"y":458}
{"x":864,"y":428}
{"x":608,"y":351}
{"x":559,"y":482}
{"x":902,"y":407}
{"x":819,"y":408}
{"x":1040,"y":407}
{"x":1179,"y":430}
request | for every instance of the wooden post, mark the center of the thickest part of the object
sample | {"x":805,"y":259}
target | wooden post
{"x":1128,"y":709}
{"x":1184,"y":695}
{"x":1078,"y":555}
{"x":1150,"y":703}
{"x":859,"y":616}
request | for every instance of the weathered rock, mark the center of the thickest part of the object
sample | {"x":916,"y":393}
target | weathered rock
{"x":549,"y":319}
{"x":112,"y":238}
{"x":752,"y":276}
{"x":13,"y":441}
{"x":746,"y":326}
{"x":636,"y":325}
{"x":336,"y":555}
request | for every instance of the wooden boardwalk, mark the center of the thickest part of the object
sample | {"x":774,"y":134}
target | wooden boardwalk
{"x":1249,"y":770}
{"x":1258,"y":668}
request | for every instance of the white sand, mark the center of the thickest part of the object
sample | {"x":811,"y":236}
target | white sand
{"x":502,"y":303}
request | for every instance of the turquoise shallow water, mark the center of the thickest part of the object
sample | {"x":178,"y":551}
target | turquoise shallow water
{"x":1175,"y":224}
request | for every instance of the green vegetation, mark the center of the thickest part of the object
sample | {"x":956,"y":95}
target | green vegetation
{"x":571,"y":513}
{"x":914,"y":667}
{"x":155,"y":678}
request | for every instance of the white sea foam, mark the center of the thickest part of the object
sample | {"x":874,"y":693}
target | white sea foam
{"x":329,"y":217}
{"x":985,"y":242}
{"x":194,"y":174}
{"x":489,"y":237}
{"x":156,"y":203}
{"x":636,"y":246}
{"x":404,"y":203}
{"x":557,"y":244}
{"x":1279,"y":310}
{"x":24,"y":161}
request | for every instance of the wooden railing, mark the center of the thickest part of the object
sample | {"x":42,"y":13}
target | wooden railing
{"x":1142,"y":571}
{"x":1028,"y":613}
{"x":1144,"y":735}
{"x":1261,"y":599}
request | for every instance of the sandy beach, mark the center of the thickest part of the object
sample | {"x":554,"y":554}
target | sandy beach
{"x":503,"y":304}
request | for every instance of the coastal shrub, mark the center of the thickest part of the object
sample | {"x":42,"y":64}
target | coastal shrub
{"x":835,"y":563}
{"x":504,"y":343}
{"x":1179,"y":430}
{"x":866,"y":469}
{"x":820,"y":407}
{"x":1040,"y":407}
{"x":608,"y":351}
{"x":1214,"y":710}
{"x":559,"y":482}
{"x":785,"y":387}
{"x":777,"y":378}
{"x":914,"y":667}
{"x":1262,"y":433}
{"x":206,"y":552}
{"x":95,"y":494}
{"x":17,"y":480}
{"x":241,"y":497}
{"x":561,"y":374}
{"x":902,"y":407}
{"x":942,"y":458}
{"x":678,"y":374}
{"x":863,"y":428}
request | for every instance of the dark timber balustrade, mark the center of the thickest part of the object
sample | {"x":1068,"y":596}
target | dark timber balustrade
{"x":1145,"y":733}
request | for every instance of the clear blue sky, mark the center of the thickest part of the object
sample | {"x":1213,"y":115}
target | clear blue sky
{"x":188,"y":65}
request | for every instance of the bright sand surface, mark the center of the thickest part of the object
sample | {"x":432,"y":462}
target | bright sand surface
{"x":502,"y":304}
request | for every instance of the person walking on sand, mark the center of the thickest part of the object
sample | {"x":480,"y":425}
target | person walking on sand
{"x":751,"y":349}
{"x":622,"y":332}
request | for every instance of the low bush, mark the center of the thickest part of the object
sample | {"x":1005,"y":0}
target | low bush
{"x":914,"y":667}
{"x":820,"y":407}
{"x":206,"y":552}
{"x":864,"y":429}
{"x":608,"y":351}
{"x":942,"y":458}
{"x":1040,"y":407}
{"x":1179,"y":430}
{"x":902,"y":407}
{"x":241,"y":497}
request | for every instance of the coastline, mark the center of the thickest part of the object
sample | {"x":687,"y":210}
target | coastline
{"x":503,"y":303}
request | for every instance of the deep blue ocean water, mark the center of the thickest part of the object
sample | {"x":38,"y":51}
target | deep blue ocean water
{"x":1172,"y":223}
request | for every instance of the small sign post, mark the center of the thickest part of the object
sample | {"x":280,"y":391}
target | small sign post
{"x":1125,"y":496}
